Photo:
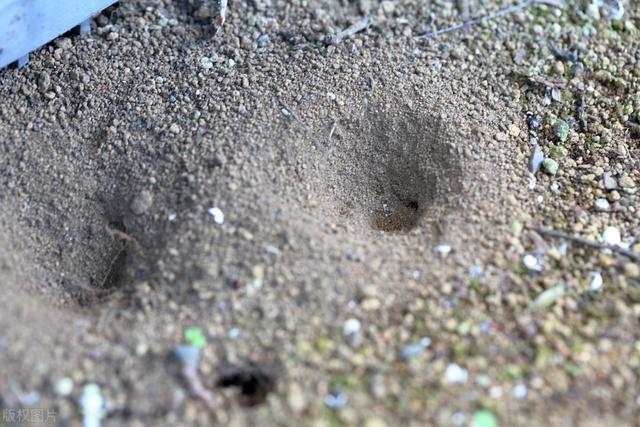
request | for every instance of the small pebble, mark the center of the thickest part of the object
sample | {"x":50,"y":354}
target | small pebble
{"x":233,"y":333}
{"x":263,"y":39}
{"x":217,"y":214}
{"x":336,"y":400}
{"x":174,"y":128}
{"x":412,"y":350}
{"x":520,"y":391}
{"x":375,"y":422}
{"x":92,"y":405}
{"x":443,"y":249}
{"x":561,"y":130}
{"x":142,"y":202}
{"x":351,"y":326}
{"x":548,"y":297}
{"x":456,"y":374}
{"x":611,"y":236}
{"x":533,"y":122}
{"x":577,"y":69}
{"x":626,"y":182}
{"x":550,"y":166}
{"x":64,"y":386}
{"x":187,"y":355}
{"x":285,"y":112}
{"x":601,"y":205}
{"x":495,"y":392}
{"x":558,"y":67}
{"x":532,"y":263}
{"x":609,"y":182}
{"x":457,"y":419}
{"x":536,"y":159}
{"x":501,"y":137}
{"x":632,"y":269}
{"x":371,"y":304}
{"x":596,"y":282}
{"x":206,"y":63}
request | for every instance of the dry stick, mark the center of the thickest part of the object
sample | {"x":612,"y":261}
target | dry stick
{"x":350,"y":31}
{"x":221,"y":15}
{"x":196,"y":387}
{"x":498,"y":14}
{"x":560,"y":235}
{"x":333,"y":129}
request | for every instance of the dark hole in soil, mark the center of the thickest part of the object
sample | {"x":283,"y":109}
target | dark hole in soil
{"x":400,"y":171}
{"x":252,"y":382}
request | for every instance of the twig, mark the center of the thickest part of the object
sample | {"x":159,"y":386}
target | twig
{"x":196,"y":387}
{"x":544,"y":81}
{"x":502,"y":12}
{"x":221,"y":15}
{"x":560,"y":235}
{"x":333,"y":129}
{"x":350,"y":31}
{"x":118,"y":234}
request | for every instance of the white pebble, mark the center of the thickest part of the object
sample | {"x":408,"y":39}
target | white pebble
{"x":64,"y":386}
{"x":495,"y":392}
{"x":233,"y":333}
{"x":611,"y":236}
{"x":520,"y":391}
{"x":596,"y":282}
{"x":601,"y":205}
{"x":206,"y":63}
{"x":532,"y":263}
{"x":456,"y":374}
{"x":443,"y":249}
{"x":217,"y":214}
{"x":458,"y":418}
{"x":351,"y":326}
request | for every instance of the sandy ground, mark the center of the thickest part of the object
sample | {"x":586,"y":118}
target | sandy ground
{"x":342,"y":224}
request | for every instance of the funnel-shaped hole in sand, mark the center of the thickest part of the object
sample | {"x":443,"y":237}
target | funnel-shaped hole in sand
{"x":400,"y":172}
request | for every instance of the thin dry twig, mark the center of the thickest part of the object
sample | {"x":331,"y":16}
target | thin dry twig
{"x":541,"y":80}
{"x":196,"y":388}
{"x":121,"y":235}
{"x":221,"y":15}
{"x":333,"y":129}
{"x":351,"y":31}
{"x":560,"y":235}
{"x":501,"y":12}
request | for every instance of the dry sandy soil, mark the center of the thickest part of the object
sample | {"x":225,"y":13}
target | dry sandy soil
{"x":381,"y":179}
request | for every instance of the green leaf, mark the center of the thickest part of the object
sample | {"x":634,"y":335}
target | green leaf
{"x":484,"y":418}
{"x":195,"y":337}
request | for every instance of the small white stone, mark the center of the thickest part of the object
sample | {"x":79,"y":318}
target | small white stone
{"x":601,"y":205}
{"x":611,"y":236}
{"x":532,"y":263}
{"x":172,"y":216}
{"x":64,"y":386}
{"x":443,"y":249}
{"x":351,"y":326}
{"x":206,"y":63}
{"x":217,"y":214}
{"x":456,"y":374}
{"x":596,"y":282}
{"x":520,"y":391}
{"x":495,"y":392}
{"x":458,"y":418}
